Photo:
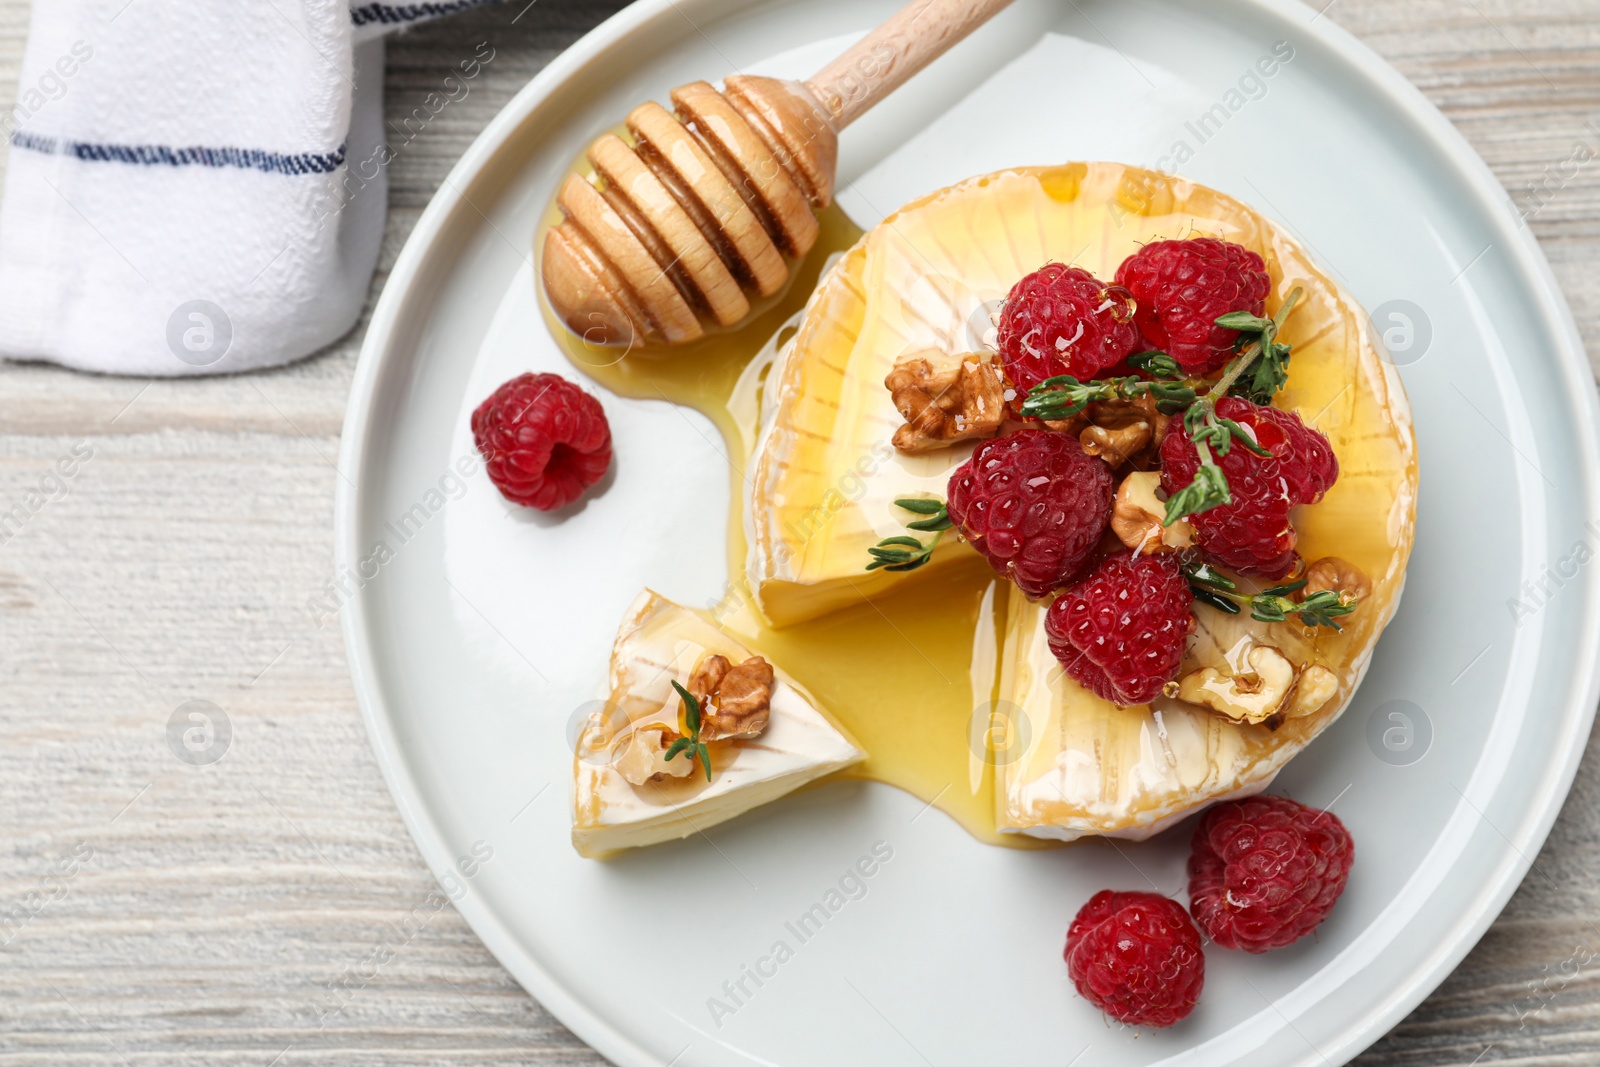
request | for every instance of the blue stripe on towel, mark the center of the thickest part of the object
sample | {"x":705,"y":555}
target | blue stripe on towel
{"x":156,"y":155}
{"x":396,"y":14}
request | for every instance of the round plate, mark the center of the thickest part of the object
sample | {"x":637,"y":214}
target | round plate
{"x":478,"y":630}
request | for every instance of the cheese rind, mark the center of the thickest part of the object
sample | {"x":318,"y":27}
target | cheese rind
{"x":659,"y":642}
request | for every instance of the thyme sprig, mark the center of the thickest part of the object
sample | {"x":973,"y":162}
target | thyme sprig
{"x":1213,"y":435}
{"x":691,"y":742}
{"x":1211,"y":586}
{"x":1064,"y":396}
{"x":1269,"y":372}
{"x":907,"y":553}
{"x":1259,"y":353}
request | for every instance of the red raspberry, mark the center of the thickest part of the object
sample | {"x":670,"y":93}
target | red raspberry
{"x":1035,"y":504}
{"x":1265,"y":872}
{"x":1136,"y":957}
{"x":1121,"y":631}
{"x":1063,"y":320}
{"x":543,"y":439}
{"x":1253,"y":535}
{"x":1183,"y":287}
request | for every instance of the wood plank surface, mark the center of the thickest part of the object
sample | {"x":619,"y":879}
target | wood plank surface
{"x":228,"y":914}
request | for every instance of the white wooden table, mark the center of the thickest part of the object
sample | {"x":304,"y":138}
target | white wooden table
{"x":270,"y":908}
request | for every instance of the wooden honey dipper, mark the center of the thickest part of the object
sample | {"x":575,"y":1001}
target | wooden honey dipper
{"x":715,"y":204}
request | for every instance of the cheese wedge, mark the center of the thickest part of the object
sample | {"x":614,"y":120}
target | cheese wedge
{"x":660,"y":642}
{"x":824,"y":478}
{"x":825,"y":474}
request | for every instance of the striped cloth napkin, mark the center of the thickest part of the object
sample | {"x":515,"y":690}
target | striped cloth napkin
{"x":196,"y":186}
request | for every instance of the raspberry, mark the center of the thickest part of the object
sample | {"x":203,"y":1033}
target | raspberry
{"x":1063,"y":320}
{"x":1136,"y":957}
{"x":1034,"y":504}
{"x":1121,"y":631}
{"x":1182,"y":287}
{"x":1253,"y":534}
{"x":1265,"y":872}
{"x":543,"y":439}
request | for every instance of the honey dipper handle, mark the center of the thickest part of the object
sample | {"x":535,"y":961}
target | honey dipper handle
{"x":880,"y":62}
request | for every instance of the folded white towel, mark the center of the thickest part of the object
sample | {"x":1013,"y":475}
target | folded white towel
{"x":195,"y":186}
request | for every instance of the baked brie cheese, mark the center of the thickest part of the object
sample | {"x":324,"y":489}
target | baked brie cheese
{"x":825,"y":476}
{"x":626,"y":793}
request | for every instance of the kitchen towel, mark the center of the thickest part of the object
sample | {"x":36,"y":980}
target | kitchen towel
{"x":195,"y":186}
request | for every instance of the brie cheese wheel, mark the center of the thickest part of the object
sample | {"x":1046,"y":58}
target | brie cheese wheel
{"x":824,"y":479}
{"x":660,"y":642}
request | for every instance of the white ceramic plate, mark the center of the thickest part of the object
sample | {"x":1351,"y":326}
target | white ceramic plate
{"x":481,"y":629}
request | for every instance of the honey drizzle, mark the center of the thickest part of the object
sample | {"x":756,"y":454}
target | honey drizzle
{"x":909,"y":675}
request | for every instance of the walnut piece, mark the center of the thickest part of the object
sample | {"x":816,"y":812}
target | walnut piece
{"x":1136,"y":516}
{"x":943,"y":407}
{"x":1252,"y":696}
{"x":1316,"y":687}
{"x":1119,"y":430}
{"x":735,"y":701}
{"x":640,"y":755}
{"x":1342,"y":576}
{"x":1116,"y":445}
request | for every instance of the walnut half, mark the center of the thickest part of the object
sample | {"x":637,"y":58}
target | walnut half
{"x":943,"y":407}
{"x":1268,"y":691}
{"x":1251,"y":696}
{"x":735,"y":701}
{"x":1121,"y":430}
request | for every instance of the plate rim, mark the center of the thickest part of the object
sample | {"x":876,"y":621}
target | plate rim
{"x":377,"y":354}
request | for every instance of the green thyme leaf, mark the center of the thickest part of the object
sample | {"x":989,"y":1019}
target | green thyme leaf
{"x":935,"y":517}
{"x":1267,"y":609}
{"x":1157,"y":364}
{"x":1269,"y":374}
{"x":1243,"y":320}
{"x":1171,"y":393}
{"x":1206,"y":574}
{"x":691,"y":710}
{"x":904,"y":552}
{"x":1215,"y":599}
{"x":1242,"y":435}
{"x":1286,"y":588}
{"x":1060,"y":397}
{"x":1208,"y":490}
{"x":1266,"y":359}
{"x":1323,"y":606}
{"x":691,"y":743}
